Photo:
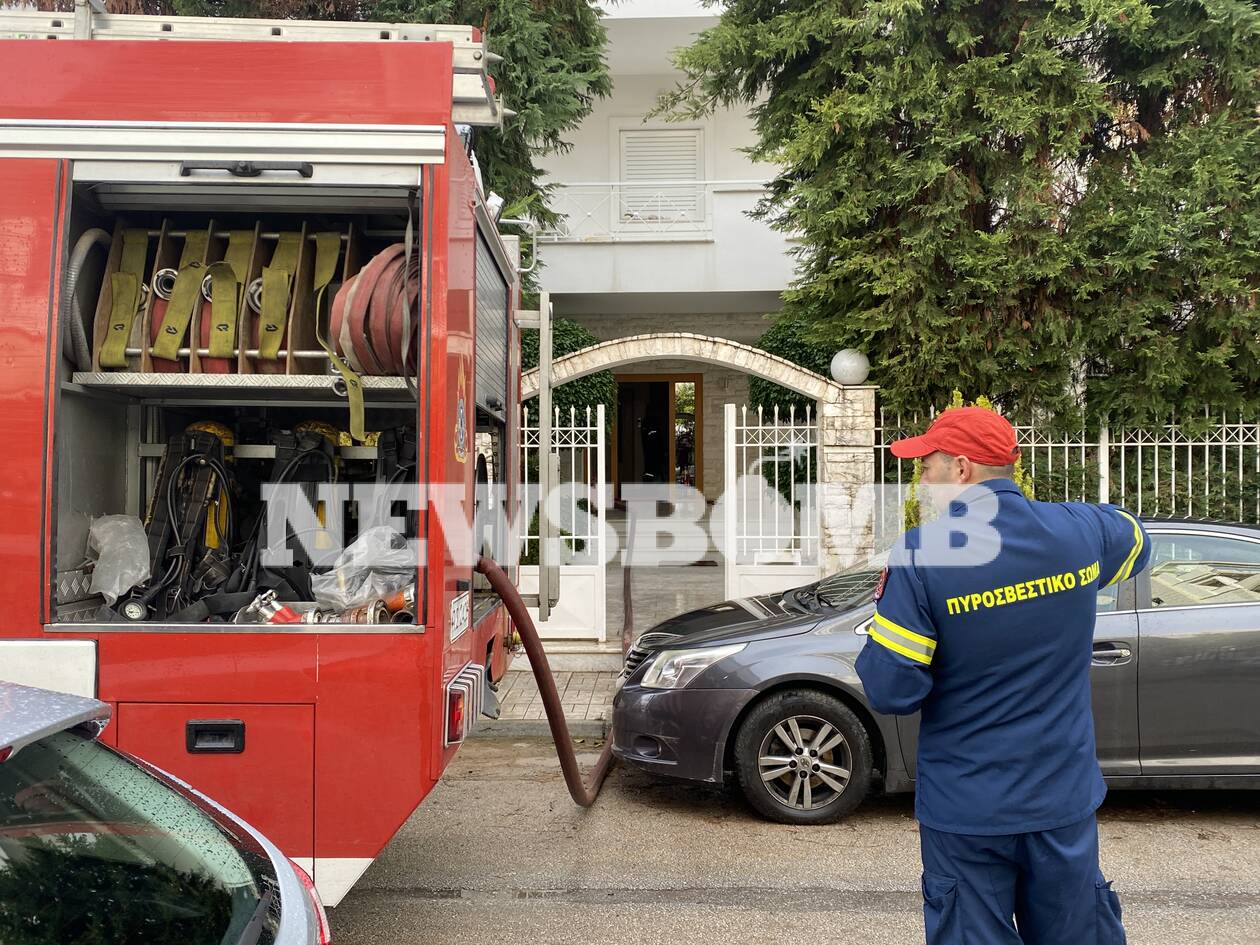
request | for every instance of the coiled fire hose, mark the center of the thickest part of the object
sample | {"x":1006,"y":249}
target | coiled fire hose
{"x":371,"y":331}
{"x":582,"y":792}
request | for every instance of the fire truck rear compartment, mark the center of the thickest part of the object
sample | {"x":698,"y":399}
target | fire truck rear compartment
{"x":262,"y":418}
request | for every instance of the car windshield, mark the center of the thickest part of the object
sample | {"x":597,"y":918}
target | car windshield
{"x":95,"y":848}
{"x":851,"y":587}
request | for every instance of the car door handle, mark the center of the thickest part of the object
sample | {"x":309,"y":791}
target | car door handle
{"x":1111,"y":654}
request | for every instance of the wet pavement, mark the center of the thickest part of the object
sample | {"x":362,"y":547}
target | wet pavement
{"x":499,"y":854}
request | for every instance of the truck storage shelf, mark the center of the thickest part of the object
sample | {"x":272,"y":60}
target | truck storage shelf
{"x":264,"y":388}
{"x":250,"y":628}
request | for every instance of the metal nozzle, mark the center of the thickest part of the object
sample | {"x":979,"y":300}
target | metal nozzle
{"x":164,"y":283}
{"x":253,"y":295}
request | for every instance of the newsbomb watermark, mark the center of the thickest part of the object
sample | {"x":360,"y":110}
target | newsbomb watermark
{"x":667,"y":525}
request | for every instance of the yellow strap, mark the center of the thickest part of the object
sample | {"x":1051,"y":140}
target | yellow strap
{"x":225,"y":302}
{"x":183,"y":298}
{"x":327,"y":252}
{"x":240,"y":247}
{"x":277,"y":281}
{"x":124,"y":298}
{"x":185,"y":295}
{"x":194,"y":251}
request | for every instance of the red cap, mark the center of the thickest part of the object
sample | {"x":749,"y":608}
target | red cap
{"x":975,"y":432}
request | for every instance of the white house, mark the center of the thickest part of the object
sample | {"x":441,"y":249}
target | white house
{"x":658,"y":257}
{"x":657,"y":240}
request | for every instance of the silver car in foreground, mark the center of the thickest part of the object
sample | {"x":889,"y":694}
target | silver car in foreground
{"x":97,"y":846}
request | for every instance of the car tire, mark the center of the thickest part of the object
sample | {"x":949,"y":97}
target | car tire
{"x":764,"y":746}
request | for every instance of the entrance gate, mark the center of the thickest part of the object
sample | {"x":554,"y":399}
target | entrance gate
{"x":578,"y":441}
{"x":770,"y":501}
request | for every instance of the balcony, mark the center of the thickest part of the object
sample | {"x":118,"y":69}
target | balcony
{"x":660,"y":211}
{"x":676,"y":237}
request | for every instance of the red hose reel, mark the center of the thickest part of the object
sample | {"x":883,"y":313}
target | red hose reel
{"x":372,"y":325}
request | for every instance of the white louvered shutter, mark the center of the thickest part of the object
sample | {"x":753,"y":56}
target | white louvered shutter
{"x":656,"y":166}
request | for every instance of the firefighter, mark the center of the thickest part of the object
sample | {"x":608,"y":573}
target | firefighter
{"x":984,"y":624}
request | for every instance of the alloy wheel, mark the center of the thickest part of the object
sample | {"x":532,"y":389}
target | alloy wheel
{"x":805,"y":762}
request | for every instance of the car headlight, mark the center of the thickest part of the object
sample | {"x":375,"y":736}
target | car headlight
{"x":674,"y":669}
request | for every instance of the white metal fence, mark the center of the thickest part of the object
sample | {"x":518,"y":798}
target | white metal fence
{"x":578,"y":439}
{"x":1203,"y":467}
{"x":771,"y":519}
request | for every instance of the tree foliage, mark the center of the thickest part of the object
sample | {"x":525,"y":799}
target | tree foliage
{"x":1036,"y":198}
{"x":552,"y":72}
{"x":792,"y":338}
{"x":598,"y":388}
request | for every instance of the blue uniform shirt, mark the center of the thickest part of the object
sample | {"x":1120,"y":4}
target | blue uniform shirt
{"x":985,"y":626}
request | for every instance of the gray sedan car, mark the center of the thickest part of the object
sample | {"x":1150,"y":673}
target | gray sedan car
{"x":99,"y":847}
{"x":762,"y":692}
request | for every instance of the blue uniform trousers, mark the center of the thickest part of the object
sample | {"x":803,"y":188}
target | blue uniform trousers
{"x":1041,"y":888}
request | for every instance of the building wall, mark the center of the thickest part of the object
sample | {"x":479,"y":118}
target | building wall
{"x":697,"y":273}
{"x":594,"y":156}
{"x":745,"y":327}
{"x":731,"y":253}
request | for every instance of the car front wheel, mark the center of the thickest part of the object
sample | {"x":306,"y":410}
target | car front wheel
{"x":803,"y":757}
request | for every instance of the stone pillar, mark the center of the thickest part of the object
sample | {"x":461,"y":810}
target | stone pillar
{"x":846,"y":475}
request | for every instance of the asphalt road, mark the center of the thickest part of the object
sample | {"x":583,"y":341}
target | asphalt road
{"x":498,"y":855}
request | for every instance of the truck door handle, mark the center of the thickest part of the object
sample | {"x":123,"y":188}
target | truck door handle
{"x":214,"y":736}
{"x":1111,"y":654}
{"x":247,"y":168}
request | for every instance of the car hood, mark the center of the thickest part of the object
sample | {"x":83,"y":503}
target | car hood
{"x":743,"y":619}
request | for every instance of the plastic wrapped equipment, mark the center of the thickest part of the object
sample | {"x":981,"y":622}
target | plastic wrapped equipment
{"x":122,"y":555}
{"x":376,"y":564}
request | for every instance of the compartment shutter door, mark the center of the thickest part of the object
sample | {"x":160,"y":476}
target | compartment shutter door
{"x":657,"y":168}
{"x":492,"y":329}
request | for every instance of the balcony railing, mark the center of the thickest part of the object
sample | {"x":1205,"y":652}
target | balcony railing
{"x":619,"y":211}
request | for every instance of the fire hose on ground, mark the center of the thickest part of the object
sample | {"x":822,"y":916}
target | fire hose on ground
{"x":582,"y":792}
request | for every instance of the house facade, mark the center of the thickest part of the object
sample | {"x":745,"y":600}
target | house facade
{"x":657,"y":240}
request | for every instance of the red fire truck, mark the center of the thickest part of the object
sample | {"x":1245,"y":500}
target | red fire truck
{"x":257,"y":252}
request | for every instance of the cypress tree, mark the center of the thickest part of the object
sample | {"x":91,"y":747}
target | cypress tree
{"x":1031,"y":199}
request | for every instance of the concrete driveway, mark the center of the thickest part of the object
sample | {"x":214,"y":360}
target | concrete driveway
{"x":499,"y":854}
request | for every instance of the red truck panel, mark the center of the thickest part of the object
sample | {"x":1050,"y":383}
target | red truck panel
{"x":270,"y":785}
{"x":379,"y":700}
{"x":355,"y":83}
{"x":31,"y":200}
{"x":207,"y":667}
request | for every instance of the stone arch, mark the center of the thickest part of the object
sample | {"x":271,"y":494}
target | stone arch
{"x":609,"y":355}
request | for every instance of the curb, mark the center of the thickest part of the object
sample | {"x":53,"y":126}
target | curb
{"x":538,"y":728}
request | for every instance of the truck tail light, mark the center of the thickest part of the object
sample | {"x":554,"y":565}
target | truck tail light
{"x":465,"y":697}
{"x":454,"y":716}
{"x":321,"y":917}
{"x":5,"y":752}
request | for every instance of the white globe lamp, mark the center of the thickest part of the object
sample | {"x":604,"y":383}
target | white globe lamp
{"x":850,"y":367}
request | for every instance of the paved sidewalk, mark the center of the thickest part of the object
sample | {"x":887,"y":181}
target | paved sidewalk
{"x":585,"y":697}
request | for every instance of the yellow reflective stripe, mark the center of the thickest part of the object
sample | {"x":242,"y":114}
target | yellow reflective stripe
{"x":898,"y":648}
{"x":902,"y":631}
{"x":1138,"y":541}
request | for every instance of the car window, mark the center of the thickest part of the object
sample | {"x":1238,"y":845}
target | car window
{"x":1108,"y":599}
{"x":96,"y":849}
{"x":1203,"y":569}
